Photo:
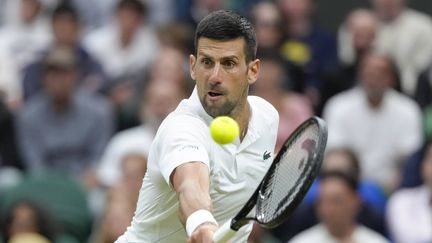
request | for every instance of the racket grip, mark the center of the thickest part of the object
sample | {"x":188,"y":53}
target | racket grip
{"x":224,"y":233}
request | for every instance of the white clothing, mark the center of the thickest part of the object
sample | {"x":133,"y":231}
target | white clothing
{"x":380,"y":137}
{"x":407,"y":40}
{"x":133,"y":140}
{"x":10,"y":85}
{"x":319,"y":233}
{"x":117,"y":61}
{"x":25,"y":42}
{"x":409,"y":215}
{"x":235,"y":169}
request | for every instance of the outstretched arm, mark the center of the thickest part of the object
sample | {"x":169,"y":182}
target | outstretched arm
{"x":191,"y":183}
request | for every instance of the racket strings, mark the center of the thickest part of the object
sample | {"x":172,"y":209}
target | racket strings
{"x":287,"y":179}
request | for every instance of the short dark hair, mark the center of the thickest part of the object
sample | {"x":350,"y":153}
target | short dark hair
{"x":47,"y":225}
{"x":354,"y":163}
{"x":135,"y":5}
{"x":346,"y":178}
{"x":228,"y":25}
{"x":66,"y":8}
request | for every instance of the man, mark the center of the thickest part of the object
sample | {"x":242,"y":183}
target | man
{"x":308,"y":48}
{"x":160,"y":98}
{"x":357,"y":37}
{"x":337,"y":208}
{"x":66,"y":30}
{"x":405,"y":34}
{"x":366,"y":117}
{"x":119,"y":47}
{"x":191,"y":181}
{"x":409,"y":210}
{"x":63,"y":128}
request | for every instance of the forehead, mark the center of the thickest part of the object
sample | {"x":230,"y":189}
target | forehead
{"x":331,"y":186}
{"x":221,"y":48}
{"x":376,"y":62}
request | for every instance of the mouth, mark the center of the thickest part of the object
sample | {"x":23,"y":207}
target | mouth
{"x":214,"y":94}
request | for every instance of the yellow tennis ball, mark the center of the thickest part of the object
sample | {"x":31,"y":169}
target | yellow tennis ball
{"x":224,"y":129}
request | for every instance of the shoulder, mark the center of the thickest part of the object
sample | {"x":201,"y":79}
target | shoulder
{"x":135,"y":135}
{"x":314,"y":234}
{"x":183,"y":125}
{"x":365,"y":234}
{"x":343,"y":101}
{"x":103,"y":35}
{"x":403,"y":102}
{"x":417,"y":18}
{"x":266,"y":110}
{"x":403,"y":196}
{"x":34,"y":107}
{"x":93,"y":103}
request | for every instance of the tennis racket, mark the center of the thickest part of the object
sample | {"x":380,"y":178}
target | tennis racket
{"x":286,"y":182}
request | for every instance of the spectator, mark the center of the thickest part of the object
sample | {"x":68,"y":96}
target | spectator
{"x":28,"y":237}
{"x":122,"y":198}
{"x":63,"y":128}
{"x":176,"y":35}
{"x":126,"y":47}
{"x":406,"y":35}
{"x":27,"y":217}
{"x":66,"y":33}
{"x":293,"y":108}
{"x":363,"y":28}
{"x":10,"y":161}
{"x":409,"y":210}
{"x":307,"y":47}
{"x":160,"y":98}
{"x":371,"y":211}
{"x":26,"y":32}
{"x":267,"y":20}
{"x":191,"y":12}
{"x":338,"y":205}
{"x":169,"y":65}
{"x":345,"y":160}
{"x":366,"y":117}
{"x":117,"y":217}
{"x":10,"y":87}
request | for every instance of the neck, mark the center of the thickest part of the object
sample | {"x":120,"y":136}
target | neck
{"x":126,"y":38}
{"x":61,"y":106}
{"x":375,"y":103}
{"x":243,"y":120}
{"x":390,"y":16}
{"x":343,"y":232}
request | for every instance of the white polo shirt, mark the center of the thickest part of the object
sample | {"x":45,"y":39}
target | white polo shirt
{"x":235,"y":169}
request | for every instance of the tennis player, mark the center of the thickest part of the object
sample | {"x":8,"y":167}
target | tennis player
{"x":193,"y":184}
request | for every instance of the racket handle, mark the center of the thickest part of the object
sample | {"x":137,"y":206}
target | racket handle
{"x":224,"y":233}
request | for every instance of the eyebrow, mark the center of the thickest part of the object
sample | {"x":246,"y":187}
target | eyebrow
{"x":222,"y":58}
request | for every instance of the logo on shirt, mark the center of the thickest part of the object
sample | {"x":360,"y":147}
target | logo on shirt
{"x":266,"y":155}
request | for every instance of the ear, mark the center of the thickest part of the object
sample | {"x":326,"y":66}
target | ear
{"x":253,"y":70}
{"x":192,"y":62}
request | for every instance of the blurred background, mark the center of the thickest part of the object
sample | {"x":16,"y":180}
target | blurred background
{"x":84,"y":86}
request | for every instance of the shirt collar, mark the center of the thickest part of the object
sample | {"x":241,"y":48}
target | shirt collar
{"x":195,"y":103}
{"x":252,"y":134}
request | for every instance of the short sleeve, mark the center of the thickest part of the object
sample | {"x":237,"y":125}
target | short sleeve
{"x":183,"y":139}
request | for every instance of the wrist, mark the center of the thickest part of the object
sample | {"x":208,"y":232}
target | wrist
{"x":198,"y":218}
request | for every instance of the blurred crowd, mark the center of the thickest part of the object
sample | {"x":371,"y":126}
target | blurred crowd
{"x":84,"y":86}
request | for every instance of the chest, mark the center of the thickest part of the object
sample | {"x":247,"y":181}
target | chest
{"x":235,"y":174}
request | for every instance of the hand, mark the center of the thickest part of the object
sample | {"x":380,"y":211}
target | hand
{"x":203,"y":234}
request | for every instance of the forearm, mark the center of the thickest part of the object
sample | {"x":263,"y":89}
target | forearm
{"x":191,"y":183}
{"x":192,"y":197}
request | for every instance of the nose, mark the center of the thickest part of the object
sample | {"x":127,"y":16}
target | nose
{"x":215,"y":76}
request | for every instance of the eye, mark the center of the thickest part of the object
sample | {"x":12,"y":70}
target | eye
{"x":229,"y":63}
{"x":206,"y":62}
